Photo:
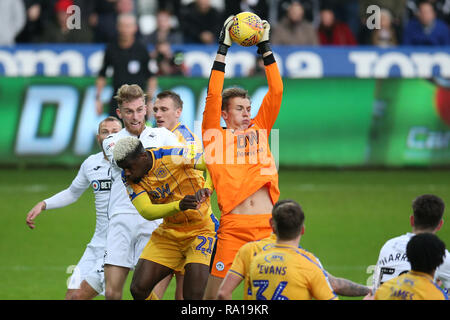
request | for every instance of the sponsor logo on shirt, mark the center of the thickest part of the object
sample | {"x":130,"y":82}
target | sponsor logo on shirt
{"x":101,"y":185}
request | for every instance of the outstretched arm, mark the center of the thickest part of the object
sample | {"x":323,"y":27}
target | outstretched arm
{"x":345,"y":287}
{"x":270,"y":107}
{"x":61,"y":199}
{"x":212,"y":113}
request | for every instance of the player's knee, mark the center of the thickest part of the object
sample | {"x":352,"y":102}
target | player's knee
{"x":71,"y":295}
{"x":138,"y":292}
{"x":193,"y":293}
{"x":111,"y":294}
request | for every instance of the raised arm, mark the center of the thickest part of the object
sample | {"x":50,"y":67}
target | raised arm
{"x":270,"y":107}
{"x":212,"y":112}
{"x":348,"y":288}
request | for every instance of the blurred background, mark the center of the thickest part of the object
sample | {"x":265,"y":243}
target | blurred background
{"x":364,"y":125}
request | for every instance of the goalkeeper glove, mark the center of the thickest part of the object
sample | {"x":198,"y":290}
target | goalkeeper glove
{"x":264,"y":45}
{"x":224,"y":37}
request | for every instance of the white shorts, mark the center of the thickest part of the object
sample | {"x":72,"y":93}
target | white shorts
{"x":89,"y":268}
{"x":127,"y":236}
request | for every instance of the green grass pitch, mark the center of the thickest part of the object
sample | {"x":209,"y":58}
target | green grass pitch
{"x":349,"y":215}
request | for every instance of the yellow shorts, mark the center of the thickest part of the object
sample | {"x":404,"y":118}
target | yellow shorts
{"x":176,"y":246}
{"x":234,"y":231}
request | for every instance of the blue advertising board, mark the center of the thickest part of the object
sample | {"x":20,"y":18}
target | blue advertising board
{"x":294,"y":61}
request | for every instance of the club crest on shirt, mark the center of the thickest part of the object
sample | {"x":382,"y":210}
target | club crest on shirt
{"x":160,"y":172}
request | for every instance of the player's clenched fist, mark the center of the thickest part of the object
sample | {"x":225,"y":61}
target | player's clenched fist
{"x":189,"y":202}
{"x":202,"y":194}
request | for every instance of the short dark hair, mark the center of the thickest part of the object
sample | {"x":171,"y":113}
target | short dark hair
{"x":425,"y":252}
{"x":233,"y":92}
{"x":428,"y":210}
{"x":110,"y":119}
{"x":288,"y":218}
{"x":173,"y":95}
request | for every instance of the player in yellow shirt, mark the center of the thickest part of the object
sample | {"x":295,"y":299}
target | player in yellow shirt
{"x":167,"y":109}
{"x":283,"y":271}
{"x":161,"y":183}
{"x":425,"y":252}
{"x":239,"y":272}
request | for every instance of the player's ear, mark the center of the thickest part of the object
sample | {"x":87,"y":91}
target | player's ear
{"x":224,"y":115}
{"x":411,"y":220}
{"x":302,"y":232}
{"x":119,"y":114}
{"x":272,"y":224}
{"x":440,"y":225}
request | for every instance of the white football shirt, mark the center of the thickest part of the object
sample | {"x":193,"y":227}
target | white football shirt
{"x":393,"y":262}
{"x":95,"y":171}
{"x":150,"y":137}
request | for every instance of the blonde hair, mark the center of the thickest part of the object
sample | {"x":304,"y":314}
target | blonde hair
{"x":128,"y":93}
{"x":126,"y":147}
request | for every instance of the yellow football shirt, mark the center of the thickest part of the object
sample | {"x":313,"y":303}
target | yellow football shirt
{"x":172,"y":176}
{"x":188,"y":138}
{"x":412,"y":285}
{"x":285,"y":272}
{"x":244,"y":256}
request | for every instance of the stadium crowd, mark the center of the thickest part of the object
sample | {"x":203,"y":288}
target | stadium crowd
{"x":313,"y":22}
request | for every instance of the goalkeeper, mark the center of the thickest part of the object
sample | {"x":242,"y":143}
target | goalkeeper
{"x":238,"y":157}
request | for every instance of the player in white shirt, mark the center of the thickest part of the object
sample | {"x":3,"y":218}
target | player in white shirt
{"x":428,"y":211}
{"x":128,"y":231}
{"x":87,"y":280}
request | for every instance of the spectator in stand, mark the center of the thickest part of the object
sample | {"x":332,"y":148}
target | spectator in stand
{"x":441,"y":7}
{"x":200,"y":22}
{"x":332,"y":31}
{"x":59,"y":30}
{"x":345,"y":11}
{"x":164,"y":30}
{"x":33,"y":25}
{"x":12,"y":20}
{"x":426,"y":30}
{"x":397,"y":8}
{"x":103,"y":20}
{"x":173,"y":6}
{"x":385,"y":36}
{"x":168,"y":63}
{"x":310,"y":9}
{"x":260,"y":8}
{"x":293,"y":29}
